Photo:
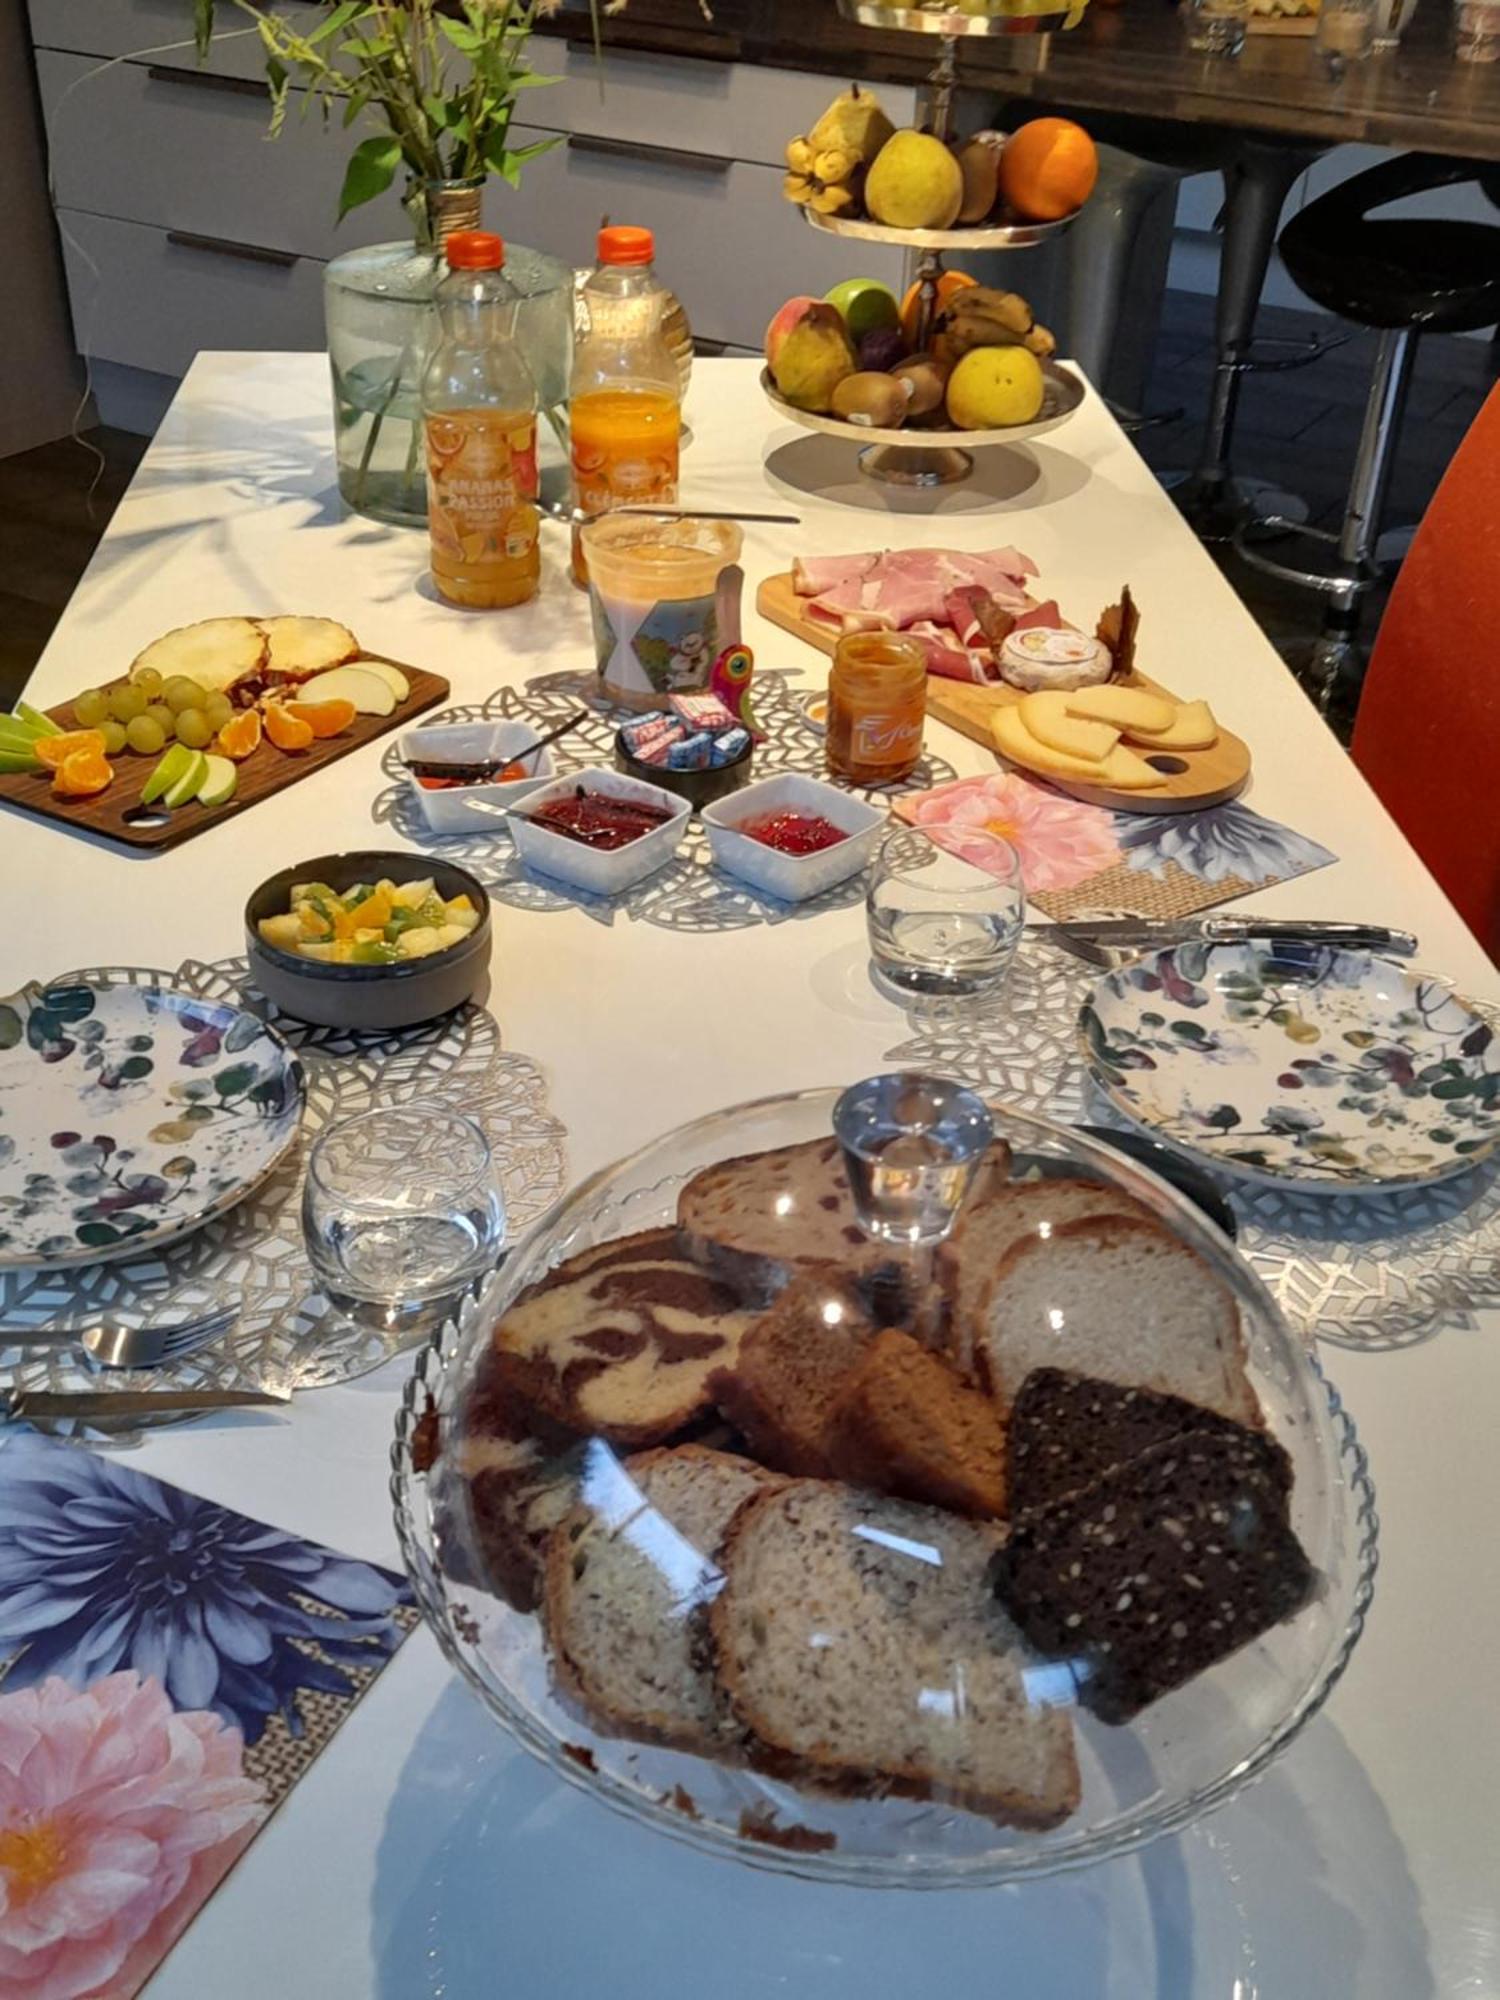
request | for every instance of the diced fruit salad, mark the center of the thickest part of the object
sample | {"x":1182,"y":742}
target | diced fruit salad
{"x":377,"y":923}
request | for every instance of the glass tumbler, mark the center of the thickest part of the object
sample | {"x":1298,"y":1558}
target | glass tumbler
{"x":401,"y":1212}
{"x":1346,"y":28}
{"x":1215,"y":27}
{"x":945,"y":908}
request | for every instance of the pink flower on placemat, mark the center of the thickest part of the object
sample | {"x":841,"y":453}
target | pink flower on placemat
{"x":118,"y":1817}
{"x":1060,"y":841}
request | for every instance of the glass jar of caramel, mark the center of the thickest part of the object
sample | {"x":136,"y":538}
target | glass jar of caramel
{"x":877,"y":701}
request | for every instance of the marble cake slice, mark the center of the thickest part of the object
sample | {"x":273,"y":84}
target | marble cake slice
{"x":1158,"y":1570}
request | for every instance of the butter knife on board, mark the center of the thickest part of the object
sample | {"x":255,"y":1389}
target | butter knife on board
{"x":1146,"y":932}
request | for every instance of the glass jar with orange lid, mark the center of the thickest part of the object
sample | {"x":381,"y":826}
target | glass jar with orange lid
{"x":877,"y":703}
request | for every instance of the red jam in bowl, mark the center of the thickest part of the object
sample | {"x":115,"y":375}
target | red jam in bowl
{"x":598,"y":820}
{"x":792,"y":832}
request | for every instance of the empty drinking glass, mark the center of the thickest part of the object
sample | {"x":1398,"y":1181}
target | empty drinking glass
{"x":401,"y":1212}
{"x":945,"y":909}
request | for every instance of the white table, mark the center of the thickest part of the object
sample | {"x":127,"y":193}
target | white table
{"x":425,"y":1854}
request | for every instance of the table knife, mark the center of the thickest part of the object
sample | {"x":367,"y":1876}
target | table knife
{"x":1146,"y":932}
{"x":23,"y":1404}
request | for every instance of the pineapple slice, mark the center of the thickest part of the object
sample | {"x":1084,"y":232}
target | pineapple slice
{"x":285,"y":931}
{"x":216,"y":652}
{"x":420,"y":943}
{"x":325,"y":954}
{"x":301,"y":647}
{"x":412,"y":895}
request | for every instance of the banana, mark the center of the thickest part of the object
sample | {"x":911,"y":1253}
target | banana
{"x":798,"y":188}
{"x":834,"y":164}
{"x":799,"y":156}
{"x":1041,"y":342}
{"x":834,"y":200}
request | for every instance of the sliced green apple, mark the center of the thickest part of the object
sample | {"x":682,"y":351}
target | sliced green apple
{"x":393,"y":677}
{"x":370,"y":694}
{"x":13,"y":761}
{"x":186,"y":787}
{"x":35,"y":721}
{"x":171,"y":766}
{"x":219,"y":781}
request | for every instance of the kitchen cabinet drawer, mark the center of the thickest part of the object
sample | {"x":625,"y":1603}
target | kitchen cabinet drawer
{"x":125,"y":27}
{"x":180,"y":151}
{"x":726,"y":240}
{"x":144,"y":301}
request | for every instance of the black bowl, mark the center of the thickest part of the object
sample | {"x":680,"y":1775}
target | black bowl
{"x":699,"y":788}
{"x":369,"y":998}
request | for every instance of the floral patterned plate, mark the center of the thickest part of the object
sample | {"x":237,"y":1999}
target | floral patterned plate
{"x":130,"y":1115}
{"x":1333,"y":1069}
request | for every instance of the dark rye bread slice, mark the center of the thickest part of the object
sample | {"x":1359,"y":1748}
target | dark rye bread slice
{"x":618,"y":1341}
{"x":1157,"y":1570}
{"x":1120,"y":1298}
{"x":782,"y":1391}
{"x":856,"y":1636}
{"x":629,"y":1573}
{"x":1066,"y":1430}
{"x":997,"y":1216}
{"x":907,"y":1424}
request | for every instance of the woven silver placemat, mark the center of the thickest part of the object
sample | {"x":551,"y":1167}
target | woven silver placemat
{"x":1365,"y":1271}
{"x":287,"y":1335}
{"x":689,"y":894}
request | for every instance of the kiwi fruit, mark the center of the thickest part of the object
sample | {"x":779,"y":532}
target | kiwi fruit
{"x":979,"y":163}
{"x":928,"y":379}
{"x":881,"y":401}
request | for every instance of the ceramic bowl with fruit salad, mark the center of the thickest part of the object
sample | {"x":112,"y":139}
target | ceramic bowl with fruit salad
{"x":369,"y":940}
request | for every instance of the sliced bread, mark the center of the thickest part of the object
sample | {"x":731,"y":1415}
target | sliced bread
{"x":1159,"y":1569}
{"x":907,"y":1424}
{"x":1120,"y":1298}
{"x":999,"y":1215}
{"x":857,"y":1636}
{"x":618,"y":1341}
{"x":1065,"y":1430}
{"x":628,"y":1574}
{"x":783,"y":1389}
{"x":517,"y":1494}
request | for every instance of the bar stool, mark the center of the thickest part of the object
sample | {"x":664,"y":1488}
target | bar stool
{"x":1405,"y":276}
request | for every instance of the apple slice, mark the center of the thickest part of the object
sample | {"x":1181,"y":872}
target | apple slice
{"x":370,"y":693}
{"x":393,"y":677}
{"x":15,"y":762}
{"x":33,"y":720}
{"x":186,"y":787}
{"x":169,"y":767}
{"x":219,"y":780}
{"x":1046,"y":715}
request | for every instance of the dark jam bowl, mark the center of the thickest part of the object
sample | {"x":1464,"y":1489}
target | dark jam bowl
{"x":371,"y":999}
{"x":699,"y":788}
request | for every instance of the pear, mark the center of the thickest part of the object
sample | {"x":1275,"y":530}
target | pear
{"x":855,"y":124}
{"x":915,"y":183}
{"x":813,"y":358}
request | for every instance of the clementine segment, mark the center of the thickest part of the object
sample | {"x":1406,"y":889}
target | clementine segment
{"x":324,"y":718}
{"x":287,"y":731}
{"x":1048,"y":169}
{"x":83,"y":771}
{"x":53,"y":751}
{"x":240,"y":735}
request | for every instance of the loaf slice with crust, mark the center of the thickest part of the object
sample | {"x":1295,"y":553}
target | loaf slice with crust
{"x":629,"y":1573}
{"x":783,"y":1390}
{"x":1120,"y":1298}
{"x":518,"y":1492}
{"x":858,"y":1635}
{"x":618,"y":1341}
{"x":993,"y":1221}
{"x":1158,"y":1570}
{"x":907,"y":1424}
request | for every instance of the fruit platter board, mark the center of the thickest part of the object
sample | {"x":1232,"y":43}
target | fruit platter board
{"x":206,"y":721}
{"x":1191,"y":762}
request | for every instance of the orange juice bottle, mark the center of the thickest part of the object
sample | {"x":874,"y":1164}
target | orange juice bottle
{"x":625,"y":410}
{"x":479,"y":417}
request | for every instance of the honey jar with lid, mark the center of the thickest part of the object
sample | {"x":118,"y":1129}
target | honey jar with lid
{"x":877,"y":703}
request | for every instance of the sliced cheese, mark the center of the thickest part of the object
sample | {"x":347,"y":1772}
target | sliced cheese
{"x":1192,"y":728}
{"x":1046,"y":716}
{"x":1127,"y":708}
{"x":1125,"y":772}
{"x":1119,"y":771}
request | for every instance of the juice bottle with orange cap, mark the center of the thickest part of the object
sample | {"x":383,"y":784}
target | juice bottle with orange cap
{"x":625,"y":415}
{"x":479,"y":418}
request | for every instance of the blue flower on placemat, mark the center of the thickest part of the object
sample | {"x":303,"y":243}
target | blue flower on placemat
{"x":1224,"y":842}
{"x":103,"y":1568}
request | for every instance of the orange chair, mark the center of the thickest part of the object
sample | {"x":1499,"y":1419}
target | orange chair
{"x":1428,"y":731}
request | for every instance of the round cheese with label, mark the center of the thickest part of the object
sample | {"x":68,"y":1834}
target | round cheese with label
{"x":1045,"y":656}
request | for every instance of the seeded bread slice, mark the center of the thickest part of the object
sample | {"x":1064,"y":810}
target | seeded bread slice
{"x":1121,"y":1299}
{"x":784,"y":1388}
{"x":628,"y":1574}
{"x":1064,"y":1431}
{"x":908,"y":1425}
{"x":993,"y":1221}
{"x":618,"y":1341}
{"x":856,"y":1635}
{"x":1159,"y":1569}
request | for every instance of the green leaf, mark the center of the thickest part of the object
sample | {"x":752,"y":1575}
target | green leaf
{"x":465,"y":39}
{"x":527,"y":81}
{"x":203,"y":26}
{"x":372,"y":168}
{"x":346,"y":11}
{"x":510,"y":165}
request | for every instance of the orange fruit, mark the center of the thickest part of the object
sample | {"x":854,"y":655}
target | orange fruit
{"x":53,"y":751}
{"x":949,"y":283}
{"x":324,"y":718}
{"x":1048,"y":169}
{"x":83,"y":771}
{"x":287,"y":731}
{"x":240,"y":735}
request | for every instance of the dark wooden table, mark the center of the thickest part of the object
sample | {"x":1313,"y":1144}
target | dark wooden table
{"x":1130,"y":60}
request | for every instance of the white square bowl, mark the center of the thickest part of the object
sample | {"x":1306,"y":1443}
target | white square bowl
{"x":451,"y":810}
{"x":600,"y":872}
{"x":792,"y":878}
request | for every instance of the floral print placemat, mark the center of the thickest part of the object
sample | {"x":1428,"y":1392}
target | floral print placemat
{"x":1080,"y":860}
{"x":168,"y":1671}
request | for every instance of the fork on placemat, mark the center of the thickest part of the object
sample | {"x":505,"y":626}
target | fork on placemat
{"x":117,"y":1343}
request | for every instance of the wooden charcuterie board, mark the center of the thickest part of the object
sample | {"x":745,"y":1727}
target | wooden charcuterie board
{"x":1191,"y":779}
{"x":263,"y":773}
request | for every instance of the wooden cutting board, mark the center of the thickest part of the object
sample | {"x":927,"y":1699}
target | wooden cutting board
{"x":264,"y":772}
{"x":1191,"y":779}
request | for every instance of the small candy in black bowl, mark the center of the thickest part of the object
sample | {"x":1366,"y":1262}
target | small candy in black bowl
{"x":699,"y":765}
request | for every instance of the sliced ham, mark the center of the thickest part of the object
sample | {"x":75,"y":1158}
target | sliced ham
{"x":812,"y":575}
{"x":941,"y":596}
